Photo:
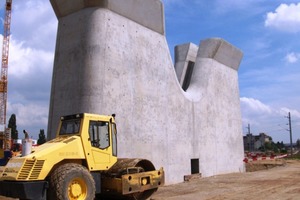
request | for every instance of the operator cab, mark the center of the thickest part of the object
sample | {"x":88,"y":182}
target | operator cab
{"x":98,"y":130}
{"x":98,"y":135}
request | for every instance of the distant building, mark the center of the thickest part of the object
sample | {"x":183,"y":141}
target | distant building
{"x":255,"y":142}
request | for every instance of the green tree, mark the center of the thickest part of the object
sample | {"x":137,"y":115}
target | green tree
{"x":275,"y":149}
{"x":268,"y":146}
{"x":12,"y":124}
{"x":271,"y":146}
{"x":42,"y":137}
{"x":280,"y":147}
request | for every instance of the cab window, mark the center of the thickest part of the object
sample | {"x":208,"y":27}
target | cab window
{"x":99,"y":134}
{"x":69,"y":127}
{"x":114,"y":139}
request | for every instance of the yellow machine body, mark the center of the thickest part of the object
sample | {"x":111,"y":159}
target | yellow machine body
{"x":90,"y":142}
{"x":64,"y":148}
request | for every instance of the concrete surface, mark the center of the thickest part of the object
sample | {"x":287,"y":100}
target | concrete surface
{"x":106,"y":63}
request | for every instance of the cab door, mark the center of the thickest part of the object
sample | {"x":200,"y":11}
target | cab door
{"x":102,"y":145}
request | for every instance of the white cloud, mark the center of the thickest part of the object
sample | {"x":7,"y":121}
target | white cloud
{"x":254,"y":105}
{"x":254,"y":112}
{"x":294,"y":113}
{"x":30,"y":114}
{"x":28,"y":60}
{"x":268,"y":119}
{"x":34,"y":23}
{"x":292,"y":57}
{"x":285,"y":18}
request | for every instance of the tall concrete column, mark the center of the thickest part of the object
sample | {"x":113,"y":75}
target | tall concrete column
{"x":112,"y":57}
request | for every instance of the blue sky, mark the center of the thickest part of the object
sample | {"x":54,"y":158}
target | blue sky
{"x":268,"y":33}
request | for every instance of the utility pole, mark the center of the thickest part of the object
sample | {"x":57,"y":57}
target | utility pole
{"x":290,"y":129}
{"x":249,"y":136}
{"x":248,"y":127}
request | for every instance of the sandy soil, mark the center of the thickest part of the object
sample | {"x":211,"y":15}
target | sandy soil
{"x":279,"y":183}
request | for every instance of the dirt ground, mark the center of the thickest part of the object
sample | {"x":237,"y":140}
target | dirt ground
{"x":278,"y":183}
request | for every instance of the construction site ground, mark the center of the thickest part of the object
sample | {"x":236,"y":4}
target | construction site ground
{"x":267,"y":180}
{"x":278,"y":180}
